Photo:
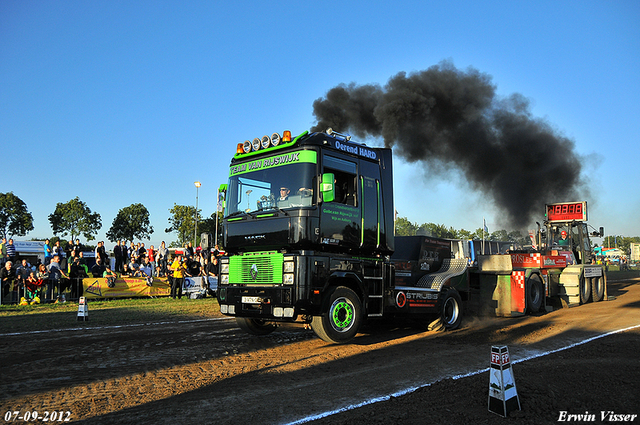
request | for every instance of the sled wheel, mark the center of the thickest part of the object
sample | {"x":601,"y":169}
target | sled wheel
{"x":255,"y":326}
{"x":341,"y":317}
{"x":597,"y":288}
{"x":535,"y":293}
{"x":451,"y":309}
{"x":585,"y":290}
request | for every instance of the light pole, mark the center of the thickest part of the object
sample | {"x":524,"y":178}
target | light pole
{"x":195,"y":229}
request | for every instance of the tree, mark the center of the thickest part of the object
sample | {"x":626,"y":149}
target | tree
{"x":131,"y":222}
{"x":15,"y":219}
{"x":75,"y":218}
{"x":437,"y":230}
{"x":182,"y":222}
{"x":405,"y":228}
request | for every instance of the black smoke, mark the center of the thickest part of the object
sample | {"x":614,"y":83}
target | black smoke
{"x":446,"y":117}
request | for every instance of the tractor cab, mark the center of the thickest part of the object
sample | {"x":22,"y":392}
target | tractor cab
{"x":568,"y":232}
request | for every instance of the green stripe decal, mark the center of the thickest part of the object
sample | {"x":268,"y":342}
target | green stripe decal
{"x":296,"y":157}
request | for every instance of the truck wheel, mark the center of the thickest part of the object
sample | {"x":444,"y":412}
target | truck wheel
{"x":451,"y":309}
{"x":535,"y":293}
{"x":585,"y":290}
{"x":341,"y":318}
{"x":255,"y":326}
{"x":597,"y":288}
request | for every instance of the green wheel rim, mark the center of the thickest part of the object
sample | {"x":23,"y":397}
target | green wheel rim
{"x":342,"y":315}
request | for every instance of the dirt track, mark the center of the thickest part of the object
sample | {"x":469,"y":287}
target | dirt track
{"x":208,"y":371}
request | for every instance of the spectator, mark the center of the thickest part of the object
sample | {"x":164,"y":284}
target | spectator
{"x":146,"y":268}
{"x":77,"y":270}
{"x":179,"y":271}
{"x":42,"y":273}
{"x":55,"y":279}
{"x":98,"y":268}
{"x":32,"y":287}
{"x":151,"y":255}
{"x":142,"y":253}
{"x":212,"y":266}
{"x":131,"y":252}
{"x":133,"y":266}
{"x":126,"y":271}
{"x":47,"y":252}
{"x":11,"y":251}
{"x":110,"y":276}
{"x":146,"y":271}
{"x":77,"y":248}
{"x":193,"y":267}
{"x":118,"y":254}
{"x":69,"y":254}
{"x":3,"y":252}
{"x":22,"y":274}
{"x":7,"y":277}
{"x":162,"y":257}
{"x":102,"y":254}
{"x":57,"y":250}
{"x":125,"y":253}
{"x":189,"y":250}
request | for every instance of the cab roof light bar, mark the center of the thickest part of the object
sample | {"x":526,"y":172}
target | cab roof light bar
{"x":266,"y":142}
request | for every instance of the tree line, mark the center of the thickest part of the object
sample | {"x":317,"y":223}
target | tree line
{"x":405,"y":228}
{"x":74,"y":218}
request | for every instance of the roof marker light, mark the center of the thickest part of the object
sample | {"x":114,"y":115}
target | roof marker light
{"x":286,"y":136}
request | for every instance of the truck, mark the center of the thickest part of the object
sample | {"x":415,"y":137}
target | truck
{"x":308,"y":234}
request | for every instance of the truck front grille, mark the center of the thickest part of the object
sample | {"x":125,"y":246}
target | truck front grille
{"x":262,"y":268}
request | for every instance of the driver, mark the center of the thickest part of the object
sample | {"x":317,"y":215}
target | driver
{"x":563,"y":241}
{"x":284,"y":194}
{"x":283,"y":199}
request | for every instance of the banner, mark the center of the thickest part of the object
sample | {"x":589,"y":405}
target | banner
{"x":128,"y":287}
{"x":125,"y":288}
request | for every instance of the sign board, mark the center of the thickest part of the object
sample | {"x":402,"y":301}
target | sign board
{"x":503,"y":396}
{"x":567,"y":211}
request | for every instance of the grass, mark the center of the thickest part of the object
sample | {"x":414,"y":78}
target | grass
{"x":17,"y":318}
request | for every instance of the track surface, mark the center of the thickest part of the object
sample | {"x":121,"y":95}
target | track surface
{"x":209,"y":371}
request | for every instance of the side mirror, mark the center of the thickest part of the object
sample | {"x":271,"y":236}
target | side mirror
{"x":327,"y":187}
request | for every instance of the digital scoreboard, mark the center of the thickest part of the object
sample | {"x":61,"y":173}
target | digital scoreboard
{"x":567,"y":211}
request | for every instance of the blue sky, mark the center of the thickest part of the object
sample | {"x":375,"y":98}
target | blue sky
{"x":123,"y":102}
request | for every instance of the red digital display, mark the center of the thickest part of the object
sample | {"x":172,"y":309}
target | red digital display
{"x":567,"y":211}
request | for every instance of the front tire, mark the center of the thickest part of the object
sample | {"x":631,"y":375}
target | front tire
{"x":341,"y":317}
{"x":255,"y":326}
{"x":451,"y":309}
{"x":535,"y":293}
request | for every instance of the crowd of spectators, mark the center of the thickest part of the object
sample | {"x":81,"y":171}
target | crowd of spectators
{"x":64,"y":268}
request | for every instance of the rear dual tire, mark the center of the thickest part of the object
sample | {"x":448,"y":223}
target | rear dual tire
{"x":597,"y":288}
{"x":451,"y":309}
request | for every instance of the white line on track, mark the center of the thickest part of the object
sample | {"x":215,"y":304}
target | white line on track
{"x":477,"y":372}
{"x":99,"y":328}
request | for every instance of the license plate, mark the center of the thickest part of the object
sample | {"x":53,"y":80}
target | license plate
{"x":251,"y":300}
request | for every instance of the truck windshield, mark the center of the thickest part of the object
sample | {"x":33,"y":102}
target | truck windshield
{"x":287,"y":186}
